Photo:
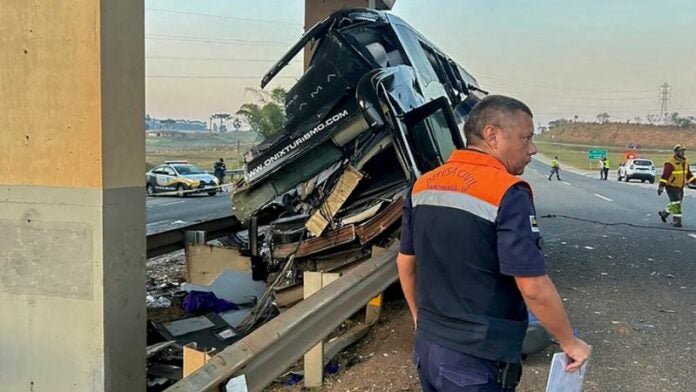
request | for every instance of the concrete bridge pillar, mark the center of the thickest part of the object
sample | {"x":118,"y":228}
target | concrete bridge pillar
{"x":72,"y":204}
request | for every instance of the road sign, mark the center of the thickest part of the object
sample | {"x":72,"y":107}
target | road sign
{"x":596,"y":153}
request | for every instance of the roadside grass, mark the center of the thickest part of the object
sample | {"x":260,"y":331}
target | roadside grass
{"x":202,"y":150}
{"x":576,"y":156}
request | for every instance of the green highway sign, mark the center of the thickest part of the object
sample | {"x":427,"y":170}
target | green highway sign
{"x":596,"y":153}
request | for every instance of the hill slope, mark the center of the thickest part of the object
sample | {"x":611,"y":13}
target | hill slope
{"x":619,"y":134}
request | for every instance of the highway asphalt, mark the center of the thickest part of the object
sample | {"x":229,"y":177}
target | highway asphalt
{"x":169,"y":212}
{"x":628,"y":280}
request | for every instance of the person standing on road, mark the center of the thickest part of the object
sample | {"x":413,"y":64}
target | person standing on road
{"x":675,"y":175}
{"x":555,"y":169}
{"x":470,"y":258}
{"x":604,"y":168}
{"x":220,"y":169}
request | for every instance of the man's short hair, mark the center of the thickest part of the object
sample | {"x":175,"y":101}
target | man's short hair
{"x":491,"y":110}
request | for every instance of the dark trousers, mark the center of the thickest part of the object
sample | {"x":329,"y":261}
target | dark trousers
{"x":443,"y":370}
{"x":603,"y":173}
{"x":557,"y":172}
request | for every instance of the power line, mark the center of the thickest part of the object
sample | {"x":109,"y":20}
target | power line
{"x":572,"y":97}
{"x":224,"y":17}
{"x":546,"y":86}
{"x":222,"y":59}
{"x":225,"y":41}
{"x":215,"y":77}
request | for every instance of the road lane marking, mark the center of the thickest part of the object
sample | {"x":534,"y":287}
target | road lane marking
{"x":692,"y":235}
{"x":171,"y":203}
{"x":157,"y":223}
{"x":567,"y":183}
{"x":602,"y":197}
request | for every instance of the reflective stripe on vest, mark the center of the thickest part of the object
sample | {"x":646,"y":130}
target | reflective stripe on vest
{"x":678,"y":177}
{"x":464,"y":302}
{"x":460,"y":201}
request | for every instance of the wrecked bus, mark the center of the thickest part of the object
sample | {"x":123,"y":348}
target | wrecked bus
{"x":377,"y":106}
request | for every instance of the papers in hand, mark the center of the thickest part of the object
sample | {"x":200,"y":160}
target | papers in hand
{"x":562,"y":381}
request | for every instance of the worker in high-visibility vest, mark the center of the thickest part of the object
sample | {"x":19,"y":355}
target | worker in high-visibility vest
{"x":675,"y":175}
{"x":604,"y":168}
{"x":555,"y":168}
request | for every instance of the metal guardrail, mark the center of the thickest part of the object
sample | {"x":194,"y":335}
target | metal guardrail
{"x":267,"y":352}
{"x":173,"y":240}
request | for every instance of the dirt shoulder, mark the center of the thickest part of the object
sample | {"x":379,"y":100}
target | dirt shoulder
{"x":382,"y":360}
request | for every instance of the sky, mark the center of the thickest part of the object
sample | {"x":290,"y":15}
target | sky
{"x":563,"y":58}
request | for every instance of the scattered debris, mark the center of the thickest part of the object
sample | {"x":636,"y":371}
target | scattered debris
{"x":236,"y":384}
{"x":194,"y":359}
{"x":205,"y":262}
{"x":232,"y":286}
{"x":205,"y":301}
{"x":158,"y":302}
{"x":158,"y":347}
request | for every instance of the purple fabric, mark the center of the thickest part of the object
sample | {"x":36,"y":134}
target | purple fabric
{"x":204,"y":301}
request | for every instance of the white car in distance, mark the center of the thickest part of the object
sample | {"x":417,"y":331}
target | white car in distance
{"x":637,"y":169}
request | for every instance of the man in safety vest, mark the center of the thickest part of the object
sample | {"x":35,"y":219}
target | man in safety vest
{"x":555,"y":169}
{"x":675,"y":175}
{"x":603,"y":168}
{"x":470,"y":260}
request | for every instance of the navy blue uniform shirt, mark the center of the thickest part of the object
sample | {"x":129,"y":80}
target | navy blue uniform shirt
{"x":518,"y":237}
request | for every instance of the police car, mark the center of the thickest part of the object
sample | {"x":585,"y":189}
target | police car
{"x":180,"y":178}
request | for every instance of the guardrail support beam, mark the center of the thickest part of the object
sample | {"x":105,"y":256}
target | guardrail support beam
{"x":314,"y":358}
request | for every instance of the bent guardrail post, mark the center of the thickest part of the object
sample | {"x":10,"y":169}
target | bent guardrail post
{"x":264,"y":354}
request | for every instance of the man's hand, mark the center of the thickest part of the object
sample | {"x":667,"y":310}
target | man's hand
{"x":660,"y":190}
{"x":578,"y":352}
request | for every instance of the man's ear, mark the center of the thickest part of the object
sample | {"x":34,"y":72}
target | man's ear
{"x":491,"y":134}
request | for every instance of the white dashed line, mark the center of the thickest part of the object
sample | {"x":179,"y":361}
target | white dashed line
{"x":157,"y":223}
{"x":692,"y":235}
{"x":567,"y":183}
{"x":172,"y":203}
{"x":602,"y":197}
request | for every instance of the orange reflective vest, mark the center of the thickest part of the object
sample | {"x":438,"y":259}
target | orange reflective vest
{"x":464,"y":301}
{"x":676,"y":173}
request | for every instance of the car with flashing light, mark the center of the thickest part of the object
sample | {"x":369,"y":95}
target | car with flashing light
{"x":180,"y":178}
{"x":637,"y":169}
